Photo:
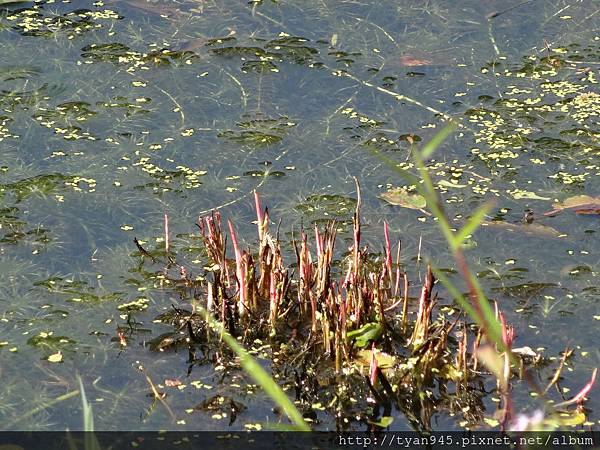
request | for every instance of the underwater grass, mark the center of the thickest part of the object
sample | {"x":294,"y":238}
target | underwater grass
{"x":39,"y":408}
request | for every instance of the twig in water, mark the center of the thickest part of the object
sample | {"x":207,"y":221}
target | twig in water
{"x":495,"y":14}
{"x":142,"y":250}
{"x":159,"y":396}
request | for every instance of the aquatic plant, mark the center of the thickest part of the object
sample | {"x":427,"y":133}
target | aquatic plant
{"x":337,"y":312}
{"x":354,"y":319}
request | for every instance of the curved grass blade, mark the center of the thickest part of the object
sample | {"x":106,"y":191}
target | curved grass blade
{"x":90,"y":440}
{"x":480,"y":309}
{"x":473,"y":223}
{"x":437,"y":140}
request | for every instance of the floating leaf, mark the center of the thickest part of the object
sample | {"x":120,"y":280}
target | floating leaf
{"x":580,"y":202}
{"x":588,"y":211}
{"x":411,"y":61}
{"x":383,"y":422}
{"x":450,"y":184}
{"x":525,"y":228}
{"x":567,"y":419}
{"x":491,"y":422}
{"x":525,"y":351}
{"x":528,"y":195}
{"x":369,"y":332}
{"x":384,"y":360}
{"x":401,"y":197}
{"x":56,"y":357}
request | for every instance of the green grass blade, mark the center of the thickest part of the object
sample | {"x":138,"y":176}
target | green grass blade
{"x":424,"y":187}
{"x":456,"y":295}
{"x":90,"y":441}
{"x":437,"y":140}
{"x":493,"y":327}
{"x":424,"y":173}
{"x":478,"y":307}
{"x":88,"y":416}
{"x":433,"y":200}
{"x":486,"y":320}
{"x":472,"y":223}
{"x":391,"y":164}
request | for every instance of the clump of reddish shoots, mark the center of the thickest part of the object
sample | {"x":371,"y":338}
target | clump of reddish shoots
{"x":240,"y":271}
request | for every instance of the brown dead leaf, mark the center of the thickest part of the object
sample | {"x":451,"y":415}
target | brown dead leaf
{"x":411,"y":61}
{"x":525,"y":228}
{"x":578,"y":202}
{"x":588,"y":211}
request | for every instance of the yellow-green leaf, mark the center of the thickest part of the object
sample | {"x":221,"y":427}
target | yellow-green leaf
{"x":491,"y":422}
{"x":383,"y":422}
{"x":401,"y":197}
{"x":449,"y":184}
{"x":384,"y":360}
{"x":369,"y":332}
{"x":55,"y":358}
{"x":528,"y":195}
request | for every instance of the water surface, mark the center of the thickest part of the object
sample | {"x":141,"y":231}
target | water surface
{"x":115,"y":113}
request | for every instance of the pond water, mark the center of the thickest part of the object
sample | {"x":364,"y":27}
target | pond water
{"x":113,"y":113}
